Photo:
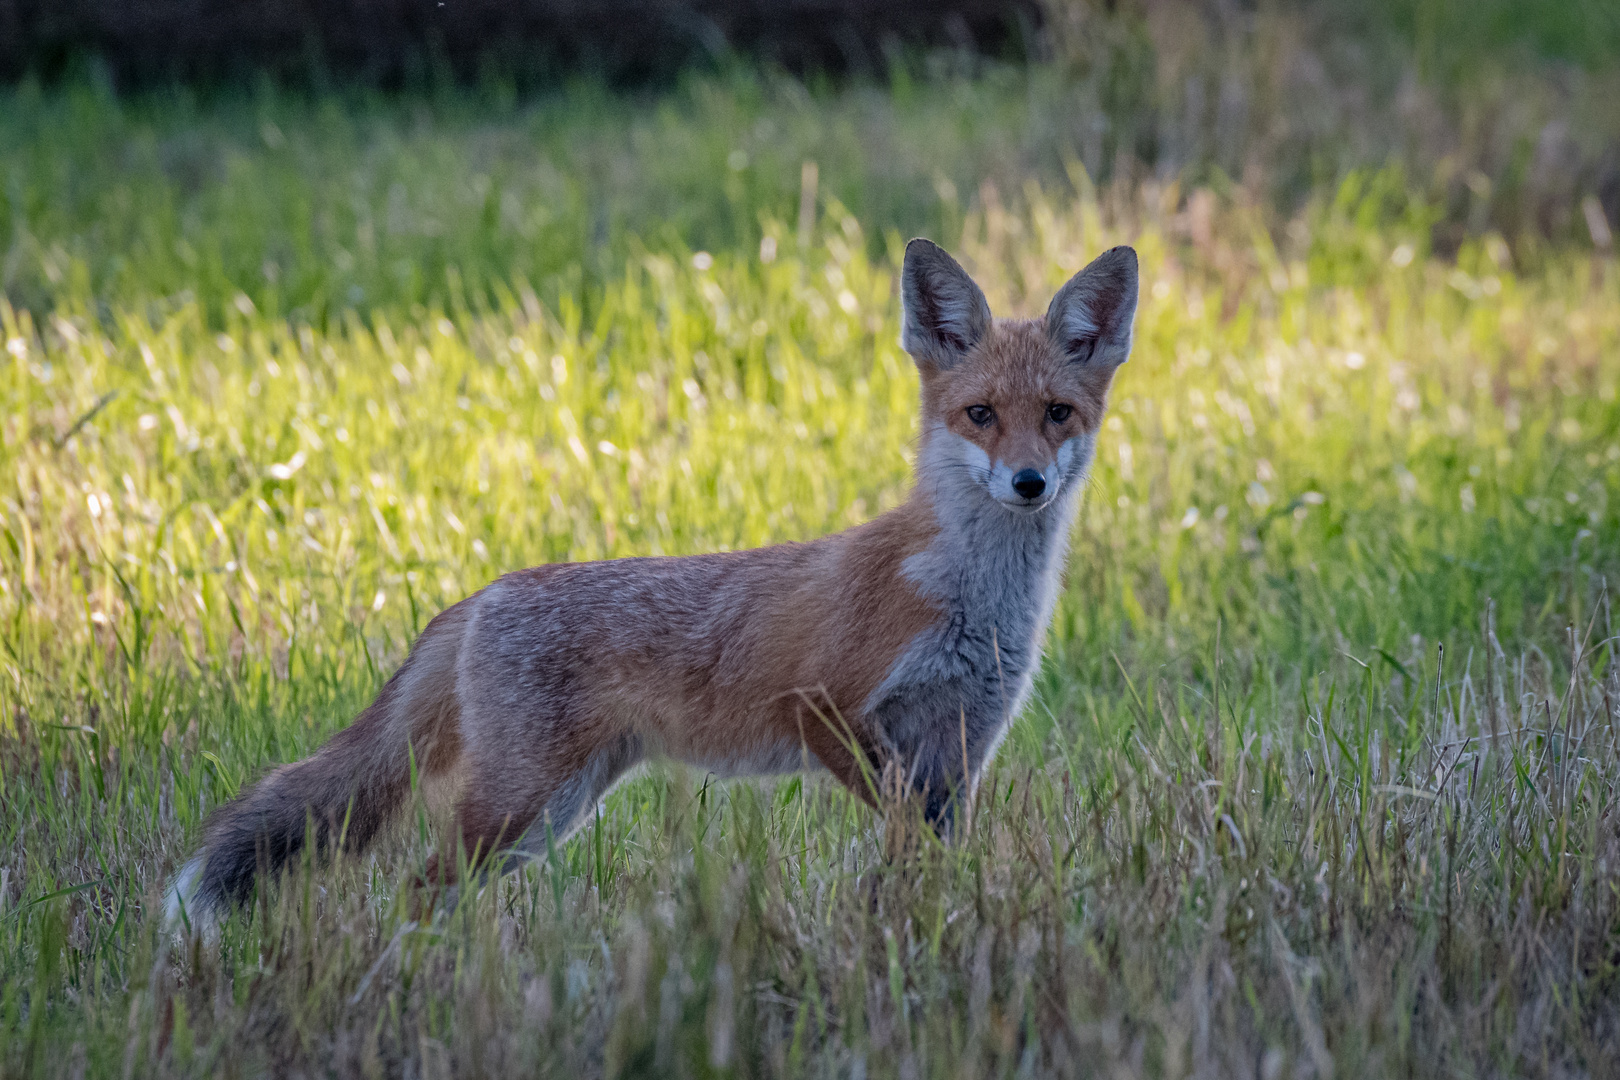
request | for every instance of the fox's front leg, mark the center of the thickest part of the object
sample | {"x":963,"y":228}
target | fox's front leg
{"x":937,"y":776}
{"x":944,"y":791}
{"x":935,"y":773}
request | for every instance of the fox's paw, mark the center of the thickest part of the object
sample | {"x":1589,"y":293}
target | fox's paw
{"x":434,"y":890}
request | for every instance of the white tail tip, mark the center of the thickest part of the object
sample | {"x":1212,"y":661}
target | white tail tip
{"x":182,"y":904}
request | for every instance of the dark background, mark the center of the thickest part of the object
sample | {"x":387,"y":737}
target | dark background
{"x":389,"y":43}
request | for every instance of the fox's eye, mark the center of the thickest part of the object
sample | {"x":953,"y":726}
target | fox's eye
{"x":980,"y":414}
{"x":1058,"y":412}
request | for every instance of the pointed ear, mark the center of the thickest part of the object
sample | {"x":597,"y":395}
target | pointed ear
{"x":945,"y":315}
{"x":1090,"y":317}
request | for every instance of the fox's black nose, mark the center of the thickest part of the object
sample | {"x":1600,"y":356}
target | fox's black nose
{"x":1029,"y":483}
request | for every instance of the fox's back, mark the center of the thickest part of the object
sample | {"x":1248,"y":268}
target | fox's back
{"x":702,"y":655}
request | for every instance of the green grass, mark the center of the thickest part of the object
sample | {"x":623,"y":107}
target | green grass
{"x":1255,"y":823}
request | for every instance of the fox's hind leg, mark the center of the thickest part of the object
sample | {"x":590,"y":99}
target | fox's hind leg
{"x":511,"y":806}
{"x":571,"y":803}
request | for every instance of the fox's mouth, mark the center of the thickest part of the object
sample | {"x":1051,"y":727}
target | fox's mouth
{"x":1020,"y":505}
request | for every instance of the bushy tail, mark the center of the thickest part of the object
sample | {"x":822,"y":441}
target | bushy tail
{"x":345,"y":794}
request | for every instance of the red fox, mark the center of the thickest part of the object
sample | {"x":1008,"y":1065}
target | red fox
{"x":905,"y":644}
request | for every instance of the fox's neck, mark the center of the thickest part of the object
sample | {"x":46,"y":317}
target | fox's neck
{"x":989,"y":565}
{"x":994,"y":573}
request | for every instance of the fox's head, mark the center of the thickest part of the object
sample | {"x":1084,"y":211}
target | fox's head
{"x":1011,"y":407}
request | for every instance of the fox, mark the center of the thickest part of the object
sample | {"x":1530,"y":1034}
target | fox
{"x":900,"y":648}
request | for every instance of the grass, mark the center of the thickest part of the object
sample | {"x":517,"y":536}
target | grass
{"x":1320,"y":778}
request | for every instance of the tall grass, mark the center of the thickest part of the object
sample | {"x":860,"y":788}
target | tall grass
{"x":1320,"y":778}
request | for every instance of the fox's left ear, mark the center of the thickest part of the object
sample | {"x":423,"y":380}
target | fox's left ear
{"x":1090,"y":317}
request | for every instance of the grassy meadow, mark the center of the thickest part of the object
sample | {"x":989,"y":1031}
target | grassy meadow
{"x":1320,"y":776}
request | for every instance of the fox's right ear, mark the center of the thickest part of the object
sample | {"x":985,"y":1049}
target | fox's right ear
{"x":945,"y":314}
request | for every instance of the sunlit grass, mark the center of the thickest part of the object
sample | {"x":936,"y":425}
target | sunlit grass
{"x":1255,"y":821}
